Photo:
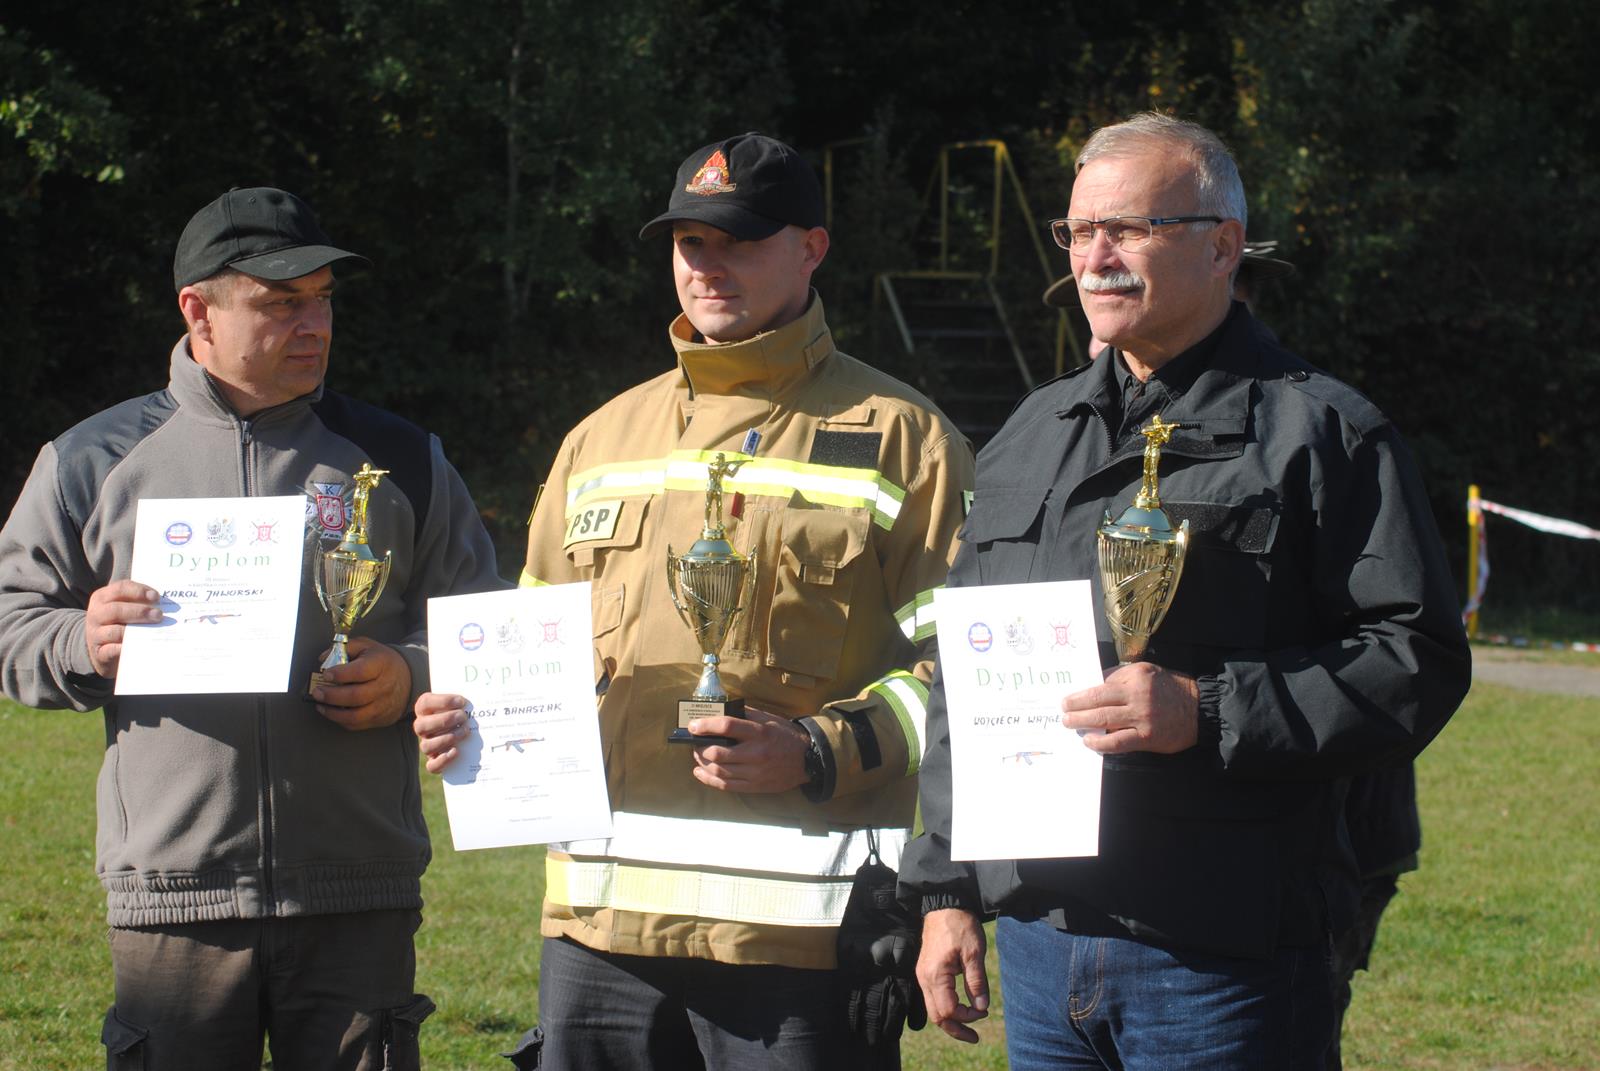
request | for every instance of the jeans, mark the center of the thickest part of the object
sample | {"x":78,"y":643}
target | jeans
{"x":1110,"y":1002}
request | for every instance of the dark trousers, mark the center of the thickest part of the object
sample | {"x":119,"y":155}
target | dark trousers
{"x":601,"y":1010}
{"x":325,"y":991}
{"x":1352,"y":951}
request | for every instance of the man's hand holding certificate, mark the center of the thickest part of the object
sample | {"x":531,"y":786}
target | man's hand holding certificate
{"x":529,"y":768}
{"x":228,"y":570}
{"x":1023,"y":785}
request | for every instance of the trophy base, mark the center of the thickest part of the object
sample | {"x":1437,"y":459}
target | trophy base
{"x":690,"y":709}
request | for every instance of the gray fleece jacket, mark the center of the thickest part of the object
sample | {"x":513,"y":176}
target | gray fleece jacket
{"x":238,"y":806}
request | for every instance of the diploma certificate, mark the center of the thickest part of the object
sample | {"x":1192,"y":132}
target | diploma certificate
{"x":228,"y":570}
{"x":531,"y":770}
{"x":1023,"y":785}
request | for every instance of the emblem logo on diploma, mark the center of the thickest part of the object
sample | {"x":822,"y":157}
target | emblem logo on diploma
{"x":1141,"y":556}
{"x":350,"y":577}
{"x":709,"y":585}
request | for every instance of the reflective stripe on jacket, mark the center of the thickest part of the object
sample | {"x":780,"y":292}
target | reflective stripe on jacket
{"x":849,"y":506}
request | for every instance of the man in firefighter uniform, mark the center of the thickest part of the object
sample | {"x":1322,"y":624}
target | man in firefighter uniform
{"x":704,"y":928}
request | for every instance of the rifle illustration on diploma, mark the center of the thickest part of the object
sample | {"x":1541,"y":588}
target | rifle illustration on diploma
{"x":517,"y":743}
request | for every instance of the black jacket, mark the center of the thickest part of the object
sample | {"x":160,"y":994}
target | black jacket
{"x":1315,"y":608}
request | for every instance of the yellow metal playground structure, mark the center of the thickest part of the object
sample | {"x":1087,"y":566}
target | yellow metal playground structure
{"x":949,"y":311}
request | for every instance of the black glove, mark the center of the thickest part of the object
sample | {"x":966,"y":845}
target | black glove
{"x":878,"y":944}
{"x":529,"y":1051}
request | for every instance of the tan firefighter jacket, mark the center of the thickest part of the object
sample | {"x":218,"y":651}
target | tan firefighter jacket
{"x":850,"y":505}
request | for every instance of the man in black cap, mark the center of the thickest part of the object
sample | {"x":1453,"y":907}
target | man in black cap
{"x":261,"y":853}
{"x":706,"y":930}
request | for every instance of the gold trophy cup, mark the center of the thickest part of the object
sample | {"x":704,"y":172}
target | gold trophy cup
{"x":1141,"y":556}
{"x":709,"y":584}
{"x":349,"y":577}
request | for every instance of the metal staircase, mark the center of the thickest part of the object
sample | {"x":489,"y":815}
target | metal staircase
{"x":951,"y":317}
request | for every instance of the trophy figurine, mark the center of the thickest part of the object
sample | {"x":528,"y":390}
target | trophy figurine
{"x":709,"y":584}
{"x":1141,"y":556}
{"x":349,"y":577}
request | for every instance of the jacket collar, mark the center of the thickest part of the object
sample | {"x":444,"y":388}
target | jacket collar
{"x":762,"y":367}
{"x":1216,"y":404}
{"x":197,"y":392}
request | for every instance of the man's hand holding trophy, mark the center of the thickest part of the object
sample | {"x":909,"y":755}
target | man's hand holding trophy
{"x":1141,"y":556}
{"x":350,"y":577}
{"x":709,"y":584}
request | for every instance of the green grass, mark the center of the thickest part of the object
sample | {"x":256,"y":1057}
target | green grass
{"x":1489,"y":958}
{"x":1539,"y":624}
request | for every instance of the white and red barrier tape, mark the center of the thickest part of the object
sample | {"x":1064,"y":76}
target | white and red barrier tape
{"x":1552,"y":525}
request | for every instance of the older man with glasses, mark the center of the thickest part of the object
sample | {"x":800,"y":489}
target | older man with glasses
{"x":1313,"y":635}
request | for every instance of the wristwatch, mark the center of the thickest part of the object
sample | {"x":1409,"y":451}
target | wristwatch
{"x":814,"y":770}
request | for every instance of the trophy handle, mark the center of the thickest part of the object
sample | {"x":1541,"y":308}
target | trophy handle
{"x":672,"y":586}
{"x":383,"y":580}
{"x":1182,"y":539}
{"x":747,"y":589}
{"x":316,"y":582}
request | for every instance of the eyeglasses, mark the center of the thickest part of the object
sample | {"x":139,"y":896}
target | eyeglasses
{"x":1123,"y":232}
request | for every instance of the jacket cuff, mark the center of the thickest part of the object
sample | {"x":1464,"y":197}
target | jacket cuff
{"x":1211,"y":690}
{"x":860,"y":752}
{"x":91,"y":689}
{"x":941,"y":901}
{"x":820,"y":790}
{"x":416,"y":657}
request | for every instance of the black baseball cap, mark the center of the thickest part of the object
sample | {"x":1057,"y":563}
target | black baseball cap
{"x":264,"y":232}
{"x":751,"y":186}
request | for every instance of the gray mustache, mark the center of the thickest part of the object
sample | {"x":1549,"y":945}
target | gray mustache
{"x":1112,"y":280}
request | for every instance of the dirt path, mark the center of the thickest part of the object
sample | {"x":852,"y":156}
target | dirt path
{"x":1512,"y":668}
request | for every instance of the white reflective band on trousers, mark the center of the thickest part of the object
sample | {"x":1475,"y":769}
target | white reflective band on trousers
{"x":737,"y":870}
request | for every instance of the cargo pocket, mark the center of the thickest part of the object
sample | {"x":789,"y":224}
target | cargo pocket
{"x":124,"y":1042}
{"x":401,"y":1027}
{"x":811,"y":597}
{"x":606,"y":607}
{"x":1004,"y":524}
{"x":528,"y":1053}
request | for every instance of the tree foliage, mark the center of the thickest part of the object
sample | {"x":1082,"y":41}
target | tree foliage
{"x":496,"y":160}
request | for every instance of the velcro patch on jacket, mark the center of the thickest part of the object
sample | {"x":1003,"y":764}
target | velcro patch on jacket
{"x":595,"y":520}
{"x":846,"y":449}
{"x":1244,"y":528}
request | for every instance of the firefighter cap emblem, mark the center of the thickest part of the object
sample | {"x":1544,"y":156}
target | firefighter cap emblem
{"x":712,"y":177}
